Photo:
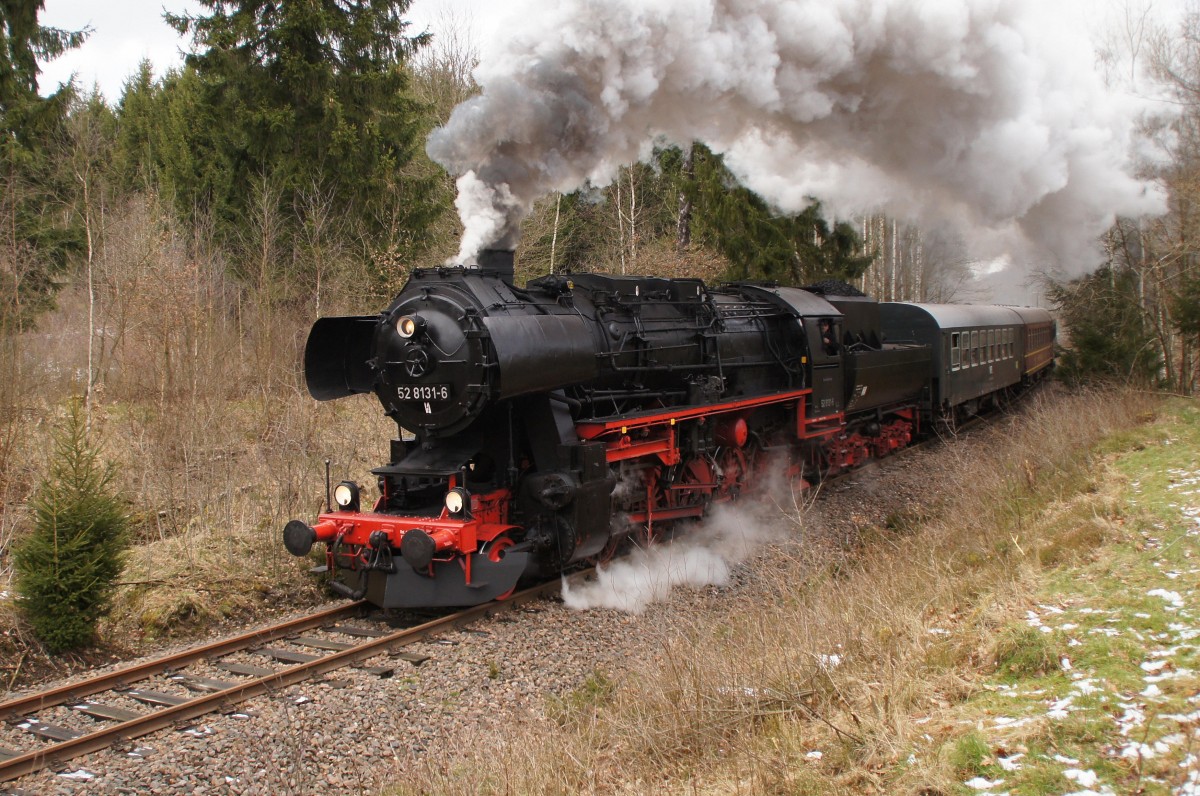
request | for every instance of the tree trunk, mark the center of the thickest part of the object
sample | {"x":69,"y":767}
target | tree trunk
{"x":683,"y":227}
{"x":91,"y":288}
{"x":554,"y":235}
{"x":632,"y":218}
{"x":621,"y":225}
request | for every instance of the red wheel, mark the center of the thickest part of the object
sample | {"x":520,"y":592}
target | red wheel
{"x":734,"y":471}
{"x":495,"y":552}
{"x":698,"y":481}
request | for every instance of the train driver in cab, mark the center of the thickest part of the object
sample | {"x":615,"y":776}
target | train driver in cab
{"x":828,"y":341}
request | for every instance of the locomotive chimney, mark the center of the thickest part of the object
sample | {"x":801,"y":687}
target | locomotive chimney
{"x":499,"y":260}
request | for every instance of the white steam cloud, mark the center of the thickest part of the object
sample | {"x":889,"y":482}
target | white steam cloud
{"x":703,"y":556}
{"x":986,"y":114}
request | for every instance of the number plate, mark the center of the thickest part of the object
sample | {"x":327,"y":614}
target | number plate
{"x":423,"y":392}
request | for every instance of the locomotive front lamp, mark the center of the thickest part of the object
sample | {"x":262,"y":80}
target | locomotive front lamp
{"x":457,"y":500}
{"x":408,"y":325}
{"x":345,"y":495}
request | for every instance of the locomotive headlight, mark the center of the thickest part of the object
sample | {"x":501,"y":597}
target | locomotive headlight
{"x":457,"y":500}
{"x":409,"y":325}
{"x":345,"y":495}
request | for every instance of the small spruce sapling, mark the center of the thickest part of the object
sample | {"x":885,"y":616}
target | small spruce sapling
{"x":67,"y":568}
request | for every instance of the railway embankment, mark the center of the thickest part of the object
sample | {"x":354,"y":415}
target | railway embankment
{"x":1027,"y":624}
{"x":1096,"y":688}
{"x":1012,"y":612}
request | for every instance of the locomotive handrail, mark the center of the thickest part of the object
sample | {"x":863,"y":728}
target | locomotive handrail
{"x":592,"y":429}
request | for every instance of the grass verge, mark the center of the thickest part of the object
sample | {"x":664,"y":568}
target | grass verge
{"x":884,"y":671}
{"x":1095,"y":689}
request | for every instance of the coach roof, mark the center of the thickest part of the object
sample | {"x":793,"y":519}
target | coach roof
{"x":949,"y":316}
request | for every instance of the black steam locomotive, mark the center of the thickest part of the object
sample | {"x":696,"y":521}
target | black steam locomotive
{"x":539,"y":427}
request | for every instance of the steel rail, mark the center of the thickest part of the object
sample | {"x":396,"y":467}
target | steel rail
{"x":60,"y":752}
{"x":209,"y":703}
{"x":30,"y":703}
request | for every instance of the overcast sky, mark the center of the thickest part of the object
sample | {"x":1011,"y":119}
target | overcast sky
{"x":124,"y":32}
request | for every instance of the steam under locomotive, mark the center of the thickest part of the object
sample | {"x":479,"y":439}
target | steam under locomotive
{"x":539,"y":427}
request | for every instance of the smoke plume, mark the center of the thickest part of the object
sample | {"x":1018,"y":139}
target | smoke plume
{"x":702,"y":557}
{"x":986,"y":114}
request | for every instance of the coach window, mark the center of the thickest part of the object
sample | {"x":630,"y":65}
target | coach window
{"x":992,"y":345}
{"x":974,"y":348}
{"x":955,"y":351}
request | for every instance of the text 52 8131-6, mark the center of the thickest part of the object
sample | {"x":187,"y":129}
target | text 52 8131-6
{"x":423,"y":392}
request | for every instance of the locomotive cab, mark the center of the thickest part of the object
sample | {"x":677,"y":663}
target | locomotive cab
{"x":824,"y":336}
{"x":822,"y":328}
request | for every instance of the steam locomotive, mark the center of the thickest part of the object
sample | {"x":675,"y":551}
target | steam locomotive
{"x":539,"y":427}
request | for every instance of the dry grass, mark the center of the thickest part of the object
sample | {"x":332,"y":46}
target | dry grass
{"x":842,"y":663}
{"x":197,"y":398}
{"x":198,"y":401}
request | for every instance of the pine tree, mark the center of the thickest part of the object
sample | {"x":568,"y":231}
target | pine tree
{"x":1110,"y":336}
{"x":1185,"y":316}
{"x":34,"y":241}
{"x":762,"y":243}
{"x":311,"y":96}
{"x":170,"y":140}
{"x":67,"y":568}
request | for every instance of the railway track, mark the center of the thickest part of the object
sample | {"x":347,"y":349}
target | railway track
{"x":194,"y":696}
{"x":330,"y":640}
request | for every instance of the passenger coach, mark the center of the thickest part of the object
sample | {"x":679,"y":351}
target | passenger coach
{"x":977,"y":350}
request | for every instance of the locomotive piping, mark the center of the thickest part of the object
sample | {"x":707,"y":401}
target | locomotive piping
{"x":345,"y":591}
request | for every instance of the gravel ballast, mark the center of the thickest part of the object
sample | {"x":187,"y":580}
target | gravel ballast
{"x":350,"y":733}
